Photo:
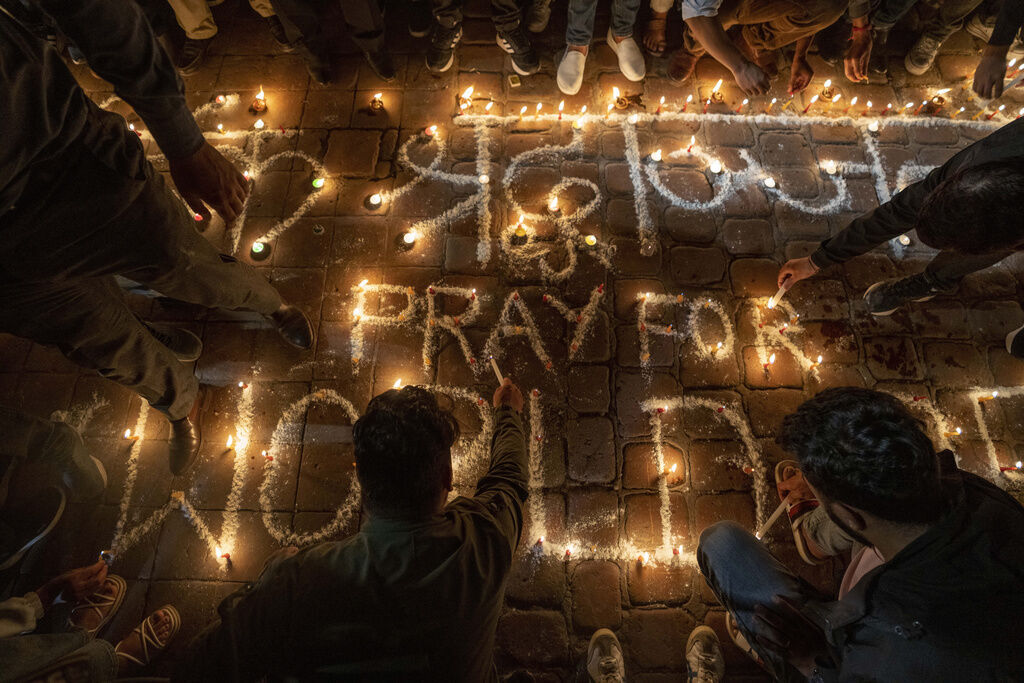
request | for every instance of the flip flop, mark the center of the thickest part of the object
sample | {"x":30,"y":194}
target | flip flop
{"x":151,"y":644}
{"x":654,"y":25}
{"x":797,"y":511}
{"x":104,"y":605}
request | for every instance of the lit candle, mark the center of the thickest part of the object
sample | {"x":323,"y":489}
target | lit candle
{"x":904,"y":108}
{"x":888,"y":106}
{"x":230,"y":442}
{"x":578,"y":123}
{"x":997,"y":111}
{"x":553,"y":204}
{"x":409,"y":238}
{"x":318,"y":183}
{"x":220,"y":127}
{"x":833,"y":101}
{"x":982,"y":399}
{"x":397,"y":384}
{"x":537,"y":112}
{"x":873,"y":126}
{"x":259,"y":124}
{"x":715,"y":166}
{"x":742,"y":104}
{"x":484,"y":178}
{"x":771,"y":362}
{"x":522,"y":112}
{"x":561,"y":106}
{"x":777,"y":297}
{"x":786,"y":105}
{"x":643,"y":558}
{"x":693,"y":140}
{"x":221,"y":99}
{"x":375,"y":199}
{"x":689,"y":98}
{"x":866,"y":109}
{"x":770,"y":105}
{"x":904,"y":240}
{"x":661,"y":103}
{"x":259,"y":105}
{"x":810,"y":104}
{"x":852,"y":103}
{"x":430,"y":131}
{"x":957,"y":113}
{"x":377,"y":103}
{"x":830,"y":167}
{"x":591,"y":240}
{"x":1015,"y":468}
{"x":769,"y":182}
{"x":656,"y":155}
{"x":259,"y":251}
{"x":920,"y":107}
{"x":488,"y":106}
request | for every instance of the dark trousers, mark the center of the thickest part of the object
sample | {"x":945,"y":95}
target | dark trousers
{"x":504,"y":13}
{"x":742,"y":574}
{"x":304,"y":19}
{"x":768,"y":25}
{"x":83,"y":220}
{"x":948,"y":268}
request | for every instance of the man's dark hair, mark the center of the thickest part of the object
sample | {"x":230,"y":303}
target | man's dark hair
{"x":864,"y":448}
{"x":977,"y":210}
{"x":403,"y":451}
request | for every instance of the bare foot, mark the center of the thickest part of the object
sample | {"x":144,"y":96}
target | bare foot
{"x":654,"y":35}
{"x":89,"y":618}
{"x":131,"y":645}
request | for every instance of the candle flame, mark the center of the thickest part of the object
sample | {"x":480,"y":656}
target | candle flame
{"x":261,"y":95}
{"x":539,"y":105}
{"x":466,"y":94}
{"x":553,"y":203}
{"x":523,"y":110}
{"x":869,"y":104}
{"x":561,"y":105}
{"x":674,"y":467}
{"x":409,"y":237}
{"x":656,"y":155}
{"x":615,"y":92}
{"x":853,"y":101}
{"x":943,"y":91}
{"x":662,"y":100}
{"x":259,"y":124}
{"x":814,"y":99}
{"x":357,"y":313}
{"x":719,"y":345}
{"x":689,"y":98}
{"x":717,"y":85}
{"x":362,"y":285}
{"x":583,"y":110}
{"x":397,"y":384}
{"x":378,"y":95}
{"x":771,"y":359}
{"x":836,"y":98}
{"x":489,"y":105}
{"x":231,"y":440}
{"x":127,"y":433}
{"x":828,"y":82}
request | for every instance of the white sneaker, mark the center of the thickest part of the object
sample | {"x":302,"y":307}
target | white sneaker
{"x":570,"y":71}
{"x":631,"y":59}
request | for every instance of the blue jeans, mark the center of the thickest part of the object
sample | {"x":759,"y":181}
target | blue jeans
{"x":580,"y":30}
{"x":22,"y":656}
{"x":742,"y":574}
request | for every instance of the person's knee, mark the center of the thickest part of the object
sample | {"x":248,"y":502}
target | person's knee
{"x":717,"y":541}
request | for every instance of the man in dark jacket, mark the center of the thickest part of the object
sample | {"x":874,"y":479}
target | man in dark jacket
{"x":969,"y":208}
{"x":79,"y":204}
{"x":415,"y":595}
{"x":932,"y":591}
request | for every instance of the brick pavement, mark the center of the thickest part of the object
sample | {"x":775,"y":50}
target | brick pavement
{"x":613,"y":476}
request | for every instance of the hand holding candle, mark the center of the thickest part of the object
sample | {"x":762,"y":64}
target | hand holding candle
{"x":508,"y":394}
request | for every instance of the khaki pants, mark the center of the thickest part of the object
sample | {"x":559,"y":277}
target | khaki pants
{"x":771,"y":24}
{"x":97,"y":210}
{"x":195,"y":18}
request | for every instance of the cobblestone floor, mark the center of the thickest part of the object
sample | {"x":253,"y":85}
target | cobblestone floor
{"x":641,"y":434}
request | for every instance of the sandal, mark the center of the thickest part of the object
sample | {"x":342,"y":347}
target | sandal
{"x":146,"y":632}
{"x":801,"y":502}
{"x":655,"y":26}
{"x":739,"y":639}
{"x":104,"y":604}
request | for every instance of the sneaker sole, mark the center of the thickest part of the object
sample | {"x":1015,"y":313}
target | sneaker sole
{"x":448,"y":65}
{"x":892,"y":310}
{"x":1010,"y":337}
{"x":515,"y":67}
{"x":16,"y":557}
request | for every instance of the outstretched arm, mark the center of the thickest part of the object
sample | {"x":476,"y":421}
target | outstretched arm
{"x":749,"y":76}
{"x":120,"y":47}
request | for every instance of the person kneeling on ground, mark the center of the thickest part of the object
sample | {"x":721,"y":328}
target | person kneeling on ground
{"x":969,"y":208}
{"x":932,"y":589}
{"x":415,"y":595}
{"x":78,"y":654}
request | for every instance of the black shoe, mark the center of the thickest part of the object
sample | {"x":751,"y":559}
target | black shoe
{"x":885,"y":297}
{"x":294,"y":326}
{"x":318,"y":66}
{"x":185,"y":345}
{"x":517,"y":44}
{"x":1015,"y":343}
{"x":192,"y":54}
{"x":420,"y":18}
{"x":278,"y":32}
{"x":29,"y":522}
{"x":380,"y":62}
{"x":442,"y":47}
{"x":187,"y":435}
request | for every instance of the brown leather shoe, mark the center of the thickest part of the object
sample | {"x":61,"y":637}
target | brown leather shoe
{"x":187,"y":436}
{"x":682,"y":65}
{"x":294,"y":326}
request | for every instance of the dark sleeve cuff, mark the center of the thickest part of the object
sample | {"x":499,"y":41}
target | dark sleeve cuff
{"x":821,"y":259}
{"x":178,"y":136}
